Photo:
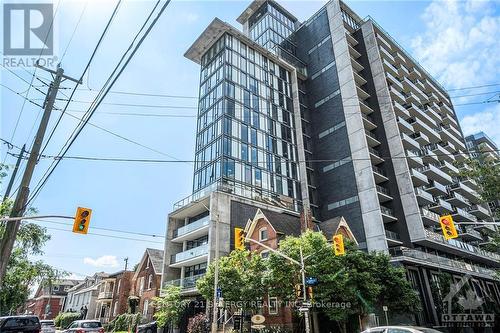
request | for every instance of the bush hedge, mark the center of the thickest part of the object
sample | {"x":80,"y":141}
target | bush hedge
{"x":64,"y":319}
{"x":124,"y":322}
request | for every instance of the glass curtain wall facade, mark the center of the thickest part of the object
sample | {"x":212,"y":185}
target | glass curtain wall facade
{"x":245,"y":134}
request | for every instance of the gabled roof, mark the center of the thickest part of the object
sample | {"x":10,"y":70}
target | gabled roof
{"x":333,"y":226}
{"x":282,"y":223}
{"x":156,"y":258}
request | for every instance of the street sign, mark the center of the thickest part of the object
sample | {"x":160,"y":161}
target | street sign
{"x":236,"y":322}
{"x":311,"y":281}
{"x":258,"y":327}
{"x":219,"y":292}
{"x":385,"y":308}
{"x":304,"y":309}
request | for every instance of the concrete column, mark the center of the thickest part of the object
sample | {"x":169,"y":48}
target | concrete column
{"x":396,"y":150}
{"x":365,"y":182}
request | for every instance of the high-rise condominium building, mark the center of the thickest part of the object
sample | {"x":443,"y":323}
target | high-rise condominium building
{"x":325,"y":118}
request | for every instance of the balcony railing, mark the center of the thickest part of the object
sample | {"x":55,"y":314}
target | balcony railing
{"x":186,"y":283}
{"x":386,"y":211}
{"x":392,"y":235}
{"x":105,"y":295}
{"x":460,"y":245}
{"x":379,"y":171}
{"x":189,"y":254}
{"x":192,"y":226}
{"x":383,"y":190}
{"x":441,"y":261}
{"x":430,"y":215}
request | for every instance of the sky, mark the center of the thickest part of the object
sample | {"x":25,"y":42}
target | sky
{"x":456,"y":41}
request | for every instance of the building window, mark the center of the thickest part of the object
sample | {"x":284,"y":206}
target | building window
{"x":263,"y":234}
{"x":141,"y":285}
{"x":119,"y":286}
{"x":147,"y":263}
{"x":55,"y":288}
{"x":264,"y":254}
{"x":115,"y":309}
{"x":344,"y":202}
{"x":273,"y":305}
{"x":150,"y":281}
{"x":146,"y":307}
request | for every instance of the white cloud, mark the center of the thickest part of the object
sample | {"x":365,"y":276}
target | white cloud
{"x":487,"y":121}
{"x":103,"y":261}
{"x":460,"y":42}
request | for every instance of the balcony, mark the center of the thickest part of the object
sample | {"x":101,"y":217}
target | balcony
{"x":371,"y":139}
{"x":390,"y":68}
{"x":392,"y":238}
{"x":383,"y":194}
{"x":186,"y":284}
{"x":396,"y":95}
{"x":448,"y":167}
{"x":424,"y":198}
{"x":351,"y":39}
{"x":429,"y":218}
{"x":379,"y":175}
{"x":412,"y":97}
{"x":400,"y":110}
{"x":362,"y":94}
{"x":375,"y":156}
{"x":418,"y":178}
{"x":404,"y":126}
{"x":399,"y":57}
{"x":470,"y":234}
{"x":190,"y":257}
{"x":365,"y":108}
{"x":432,"y":114}
{"x":421,"y":138}
{"x":352,"y":51}
{"x":489,"y":228}
{"x":403,"y":71}
{"x":393,"y":80}
{"x":432,"y":260}
{"x":441,"y":207}
{"x":356,"y":65}
{"x":414,"y":159}
{"x":368,"y":122}
{"x":436,"y":189}
{"x":387,"y":214}
{"x":480,"y":212}
{"x":409,"y":143}
{"x":457,"y":200}
{"x":434,"y":173}
{"x":409,"y":86}
{"x":383,"y":42}
{"x":466,"y":191}
{"x":461,"y":215}
{"x":415,"y":73}
{"x":387,"y":55}
{"x":192,"y":230}
{"x":428,"y":156}
{"x":419,"y":125}
{"x":460,"y":248}
{"x":441,"y":152}
{"x":359,"y":79}
{"x":105,"y":295}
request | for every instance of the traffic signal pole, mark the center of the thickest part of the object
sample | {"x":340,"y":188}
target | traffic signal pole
{"x":19,"y":206}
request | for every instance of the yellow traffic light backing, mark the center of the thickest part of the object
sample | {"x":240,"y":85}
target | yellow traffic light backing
{"x":82,"y":220}
{"x":310,"y":295}
{"x":239,"y":238}
{"x":299,"y":291}
{"x":338,"y":245}
{"x":448,"y":227}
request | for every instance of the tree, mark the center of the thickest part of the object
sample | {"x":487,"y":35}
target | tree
{"x":241,"y":278}
{"x":169,"y":306}
{"x":22,"y":272}
{"x":351,"y":285}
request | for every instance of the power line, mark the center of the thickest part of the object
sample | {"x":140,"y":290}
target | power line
{"x":145,"y":94}
{"x":74,"y":30}
{"x":105,"y":89}
{"x":108,"y":236}
{"x":475,"y":87}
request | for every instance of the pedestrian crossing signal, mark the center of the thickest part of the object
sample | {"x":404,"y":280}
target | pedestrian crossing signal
{"x":338,"y":245}
{"x":82,"y":220}
{"x":448,"y":227}
{"x":239,"y":238}
{"x":299,"y":291}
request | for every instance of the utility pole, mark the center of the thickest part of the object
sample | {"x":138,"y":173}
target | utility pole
{"x":19,"y":206}
{"x":303,"y":273}
{"x":216,"y":278}
{"x":14,"y":174}
{"x":126,"y":263}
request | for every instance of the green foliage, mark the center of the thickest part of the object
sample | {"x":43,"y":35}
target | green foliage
{"x":197,"y":324}
{"x":125,"y":322}
{"x":169,"y":307}
{"x":64,"y":319}
{"x":353,"y":285}
{"x":23,"y":272}
{"x":241,"y":278}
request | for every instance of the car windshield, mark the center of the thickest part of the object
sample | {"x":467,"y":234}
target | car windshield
{"x":47,"y":323}
{"x":91,"y":324}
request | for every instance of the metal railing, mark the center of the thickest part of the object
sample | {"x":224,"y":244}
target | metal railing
{"x":386,"y":211}
{"x":392,"y":235}
{"x":383,"y":190}
{"x":204,"y":221}
{"x":185,"y":283}
{"x":189,"y":254}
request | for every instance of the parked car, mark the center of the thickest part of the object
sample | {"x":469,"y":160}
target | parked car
{"x":400,"y":329}
{"x":48,"y":326}
{"x":85,"y":326}
{"x":147,"y":328}
{"x":20,"y":324}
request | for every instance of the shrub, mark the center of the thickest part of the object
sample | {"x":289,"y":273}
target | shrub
{"x":64,"y":319}
{"x":197,"y":324}
{"x":124,"y":322}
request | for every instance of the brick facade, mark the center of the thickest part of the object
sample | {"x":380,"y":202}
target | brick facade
{"x":121,"y":292}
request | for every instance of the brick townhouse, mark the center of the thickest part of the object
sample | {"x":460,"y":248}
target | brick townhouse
{"x":147,"y":281}
{"x":49,"y":299}
{"x":113,"y":293}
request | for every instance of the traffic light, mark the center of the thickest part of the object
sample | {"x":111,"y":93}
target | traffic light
{"x":239,"y":238}
{"x":338,"y":245}
{"x":82,"y":220}
{"x":299,"y":291}
{"x":310,"y":293}
{"x":448,"y":227}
